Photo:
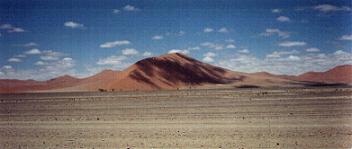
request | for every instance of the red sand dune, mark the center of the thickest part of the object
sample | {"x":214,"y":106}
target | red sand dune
{"x":169,"y":72}
{"x":9,"y":85}
{"x":172,"y":71}
{"x":339,"y":74}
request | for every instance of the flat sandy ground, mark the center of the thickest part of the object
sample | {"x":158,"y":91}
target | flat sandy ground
{"x":221,"y":118}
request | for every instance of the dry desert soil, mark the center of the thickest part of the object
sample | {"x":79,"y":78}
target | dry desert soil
{"x":217,"y":118}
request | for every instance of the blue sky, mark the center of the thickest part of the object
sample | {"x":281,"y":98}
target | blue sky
{"x":41,"y":39}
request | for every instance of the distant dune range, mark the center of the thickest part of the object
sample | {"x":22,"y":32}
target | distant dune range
{"x":175,"y":71}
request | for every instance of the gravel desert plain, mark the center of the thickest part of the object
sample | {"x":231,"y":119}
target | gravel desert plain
{"x":175,"y":74}
{"x":319,"y":117}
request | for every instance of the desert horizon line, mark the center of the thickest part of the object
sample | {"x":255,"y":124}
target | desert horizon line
{"x":165,"y":54}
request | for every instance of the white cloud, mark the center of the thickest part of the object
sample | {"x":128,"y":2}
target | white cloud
{"x":20,"y":56}
{"x":27,"y":45}
{"x":49,"y":58}
{"x":340,"y":52}
{"x":112,"y":60}
{"x":325,"y":7}
{"x":33,"y":52}
{"x":210,"y":54}
{"x":11,"y":29}
{"x":129,"y":51}
{"x":208,"y":30}
{"x":147,"y":54}
{"x":6,"y":67}
{"x":283,"y":19}
{"x":115,"y":11}
{"x":184,"y":50}
{"x":244,"y":51}
{"x":277,"y":54}
{"x":53,"y":66}
{"x":230,"y":46}
{"x":273,"y":31}
{"x":179,"y":51}
{"x":73,"y":25}
{"x":330,"y":8}
{"x":130,"y":8}
{"x":67,"y":59}
{"x":16,"y":30}
{"x":291,"y":62}
{"x":115,"y":43}
{"x":193,"y":48}
{"x":30,"y":44}
{"x":40,"y":63}
{"x":5,"y":70}
{"x":157,"y":37}
{"x":240,"y":62}
{"x":230,"y":40}
{"x":6,"y":26}
{"x":292,"y":43}
{"x":50,"y":55}
{"x":346,"y":37}
{"x":276,"y":10}
{"x":223,"y":30}
{"x":312,"y":50}
{"x":43,"y":72}
{"x":13,"y":59}
{"x":209,"y":57}
{"x":181,"y":33}
{"x":67,"y":62}
{"x":294,"y":58}
{"x":211,"y":45}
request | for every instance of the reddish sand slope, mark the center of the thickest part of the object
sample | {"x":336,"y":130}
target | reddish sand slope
{"x":98,"y":81}
{"x":339,"y":74}
{"x":8,"y":86}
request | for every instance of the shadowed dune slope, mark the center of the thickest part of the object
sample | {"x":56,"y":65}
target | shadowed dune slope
{"x":171,"y":71}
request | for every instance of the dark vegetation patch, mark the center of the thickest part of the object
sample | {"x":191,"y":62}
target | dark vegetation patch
{"x":317,"y":84}
{"x":248,"y":86}
{"x":102,"y":90}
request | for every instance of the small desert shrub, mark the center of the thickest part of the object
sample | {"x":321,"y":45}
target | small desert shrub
{"x":102,"y":90}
